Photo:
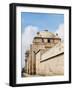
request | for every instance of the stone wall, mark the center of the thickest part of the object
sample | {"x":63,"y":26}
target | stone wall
{"x":51,"y":62}
{"x":54,"y":66}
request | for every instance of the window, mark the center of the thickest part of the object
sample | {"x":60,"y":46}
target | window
{"x":48,"y":40}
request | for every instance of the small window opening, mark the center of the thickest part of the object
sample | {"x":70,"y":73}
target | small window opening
{"x":48,"y":40}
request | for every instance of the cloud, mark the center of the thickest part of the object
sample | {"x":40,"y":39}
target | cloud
{"x":60,"y":31}
{"x":27,"y":38}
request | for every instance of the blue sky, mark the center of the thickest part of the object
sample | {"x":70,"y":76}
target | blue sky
{"x":41,"y":20}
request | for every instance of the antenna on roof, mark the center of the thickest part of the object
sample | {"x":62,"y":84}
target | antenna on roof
{"x":46,"y":30}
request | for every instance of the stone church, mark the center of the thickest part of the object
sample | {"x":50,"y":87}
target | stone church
{"x":46,"y":55}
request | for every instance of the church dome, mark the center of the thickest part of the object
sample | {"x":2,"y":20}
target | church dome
{"x":45,"y":34}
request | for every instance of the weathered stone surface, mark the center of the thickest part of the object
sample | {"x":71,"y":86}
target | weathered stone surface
{"x":46,"y":55}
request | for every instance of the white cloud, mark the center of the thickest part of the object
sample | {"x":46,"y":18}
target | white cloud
{"x":60,"y":31}
{"x":27,"y":38}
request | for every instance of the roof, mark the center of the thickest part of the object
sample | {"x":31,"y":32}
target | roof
{"x":46,"y":34}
